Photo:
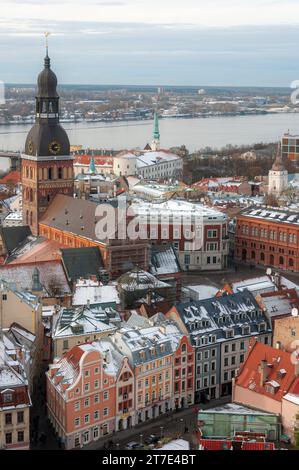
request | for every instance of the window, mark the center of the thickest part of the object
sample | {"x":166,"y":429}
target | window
{"x":96,"y":399}
{"x":226,"y":361}
{"x":20,"y":417}
{"x":212,"y":233}
{"x":86,"y":418}
{"x":86,"y":402}
{"x":96,"y":415}
{"x":106,"y":395}
{"x":8,"y":438}
{"x":96,"y":433}
{"x":7,"y":397}
{"x":77,"y":406}
{"x":20,"y":436}
{"x":106,"y":411}
{"x":86,"y":387}
{"x":96,"y":384}
{"x":77,"y":422}
{"x":87,"y":374}
{"x":4,"y":297}
{"x":65,"y":344}
{"x":8,"y":418}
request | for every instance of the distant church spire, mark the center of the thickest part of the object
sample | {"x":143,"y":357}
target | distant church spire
{"x":156,"y":133}
{"x":92,"y":167}
{"x":278,"y":175}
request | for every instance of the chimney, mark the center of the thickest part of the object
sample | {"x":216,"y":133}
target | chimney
{"x":262,"y":368}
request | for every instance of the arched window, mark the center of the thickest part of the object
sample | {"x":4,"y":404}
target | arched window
{"x":31,"y":218}
{"x":253,"y":255}
{"x":281,"y":260}
{"x":27,"y":217}
{"x":50,"y":173}
{"x":184,"y":347}
{"x":60,"y":173}
{"x":291,"y":262}
{"x":272,"y":260}
{"x":262,"y":256}
{"x":31,"y":196}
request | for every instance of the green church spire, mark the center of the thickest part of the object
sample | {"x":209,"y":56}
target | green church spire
{"x":92,"y":168}
{"x":156,"y":127}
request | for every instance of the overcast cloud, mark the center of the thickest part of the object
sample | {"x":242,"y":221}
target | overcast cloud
{"x":154,"y":42}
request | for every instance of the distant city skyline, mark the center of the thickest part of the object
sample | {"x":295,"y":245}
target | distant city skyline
{"x":143,"y":42}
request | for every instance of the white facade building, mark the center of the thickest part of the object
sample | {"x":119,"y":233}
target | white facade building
{"x":198,"y":233}
{"x":160,"y":164}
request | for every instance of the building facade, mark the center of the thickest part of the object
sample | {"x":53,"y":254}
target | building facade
{"x":15,"y":402}
{"x":198,"y":233}
{"x":220,"y":330}
{"x":268,"y":237}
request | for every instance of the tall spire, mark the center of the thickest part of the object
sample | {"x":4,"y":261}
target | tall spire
{"x":156,"y":134}
{"x":92,"y":168}
{"x":47,"y":58}
{"x":278,"y":162}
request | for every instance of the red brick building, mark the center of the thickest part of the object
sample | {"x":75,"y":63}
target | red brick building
{"x":269,"y":237}
{"x":47,"y":167}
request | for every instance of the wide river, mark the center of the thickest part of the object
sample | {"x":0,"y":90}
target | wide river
{"x":214,"y":132}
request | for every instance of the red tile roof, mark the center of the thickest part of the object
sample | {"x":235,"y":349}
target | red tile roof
{"x":278,"y":370}
{"x":99,"y":160}
{"x":11,"y":177}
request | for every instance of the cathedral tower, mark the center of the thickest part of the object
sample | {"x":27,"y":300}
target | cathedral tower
{"x":278,"y":175}
{"x":47,"y":167}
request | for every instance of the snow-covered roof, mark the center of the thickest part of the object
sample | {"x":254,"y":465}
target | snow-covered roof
{"x":175,"y":207}
{"x":87,"y":290}
{"x":85,"y":320}
{"x":177,"y":444}
{"x":202,"y":291}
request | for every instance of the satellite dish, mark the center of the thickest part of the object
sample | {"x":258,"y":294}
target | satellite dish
{"x":294,"y":312}
{"x":269,"y":271}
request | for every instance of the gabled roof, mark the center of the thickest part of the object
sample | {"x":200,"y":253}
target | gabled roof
{"x":164,"y":260}
{"x":13,"y":237}
{"x":82,"y":262}
{"x":279,"y":371}
{"x":51,"y":273}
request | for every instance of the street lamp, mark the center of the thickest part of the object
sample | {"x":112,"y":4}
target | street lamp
{"x":181,"y":421}
{"x":117,"y":446}
{"x":161,"y":429}
{"x":141,"y":436}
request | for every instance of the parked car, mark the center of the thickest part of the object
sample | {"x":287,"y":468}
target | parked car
{"x":152,"y":439}
{"x":134,"y":445}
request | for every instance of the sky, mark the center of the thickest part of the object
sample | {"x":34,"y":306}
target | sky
{"x":152,"y":42}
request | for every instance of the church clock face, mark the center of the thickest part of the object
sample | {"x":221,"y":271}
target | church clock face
{"x":54,"y":147}
{"x":30,"y":147}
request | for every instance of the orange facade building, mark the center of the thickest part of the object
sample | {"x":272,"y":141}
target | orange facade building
{"x":268,"y":237}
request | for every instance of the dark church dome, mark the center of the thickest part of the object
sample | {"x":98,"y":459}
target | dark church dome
{"x":42,"y":137}
{"x":47,"y":82}
{"x":47,"y":137}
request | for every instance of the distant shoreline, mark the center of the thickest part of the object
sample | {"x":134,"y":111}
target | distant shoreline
{"x":174,"y":116}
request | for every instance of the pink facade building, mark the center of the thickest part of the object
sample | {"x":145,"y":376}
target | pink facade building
{"x":81,"y":393}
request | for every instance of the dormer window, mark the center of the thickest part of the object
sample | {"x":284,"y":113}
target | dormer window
{"x":7,"y":397}
{"x":230,"y":334}
{"x":262,"y":326}
{"x":246,"y":330}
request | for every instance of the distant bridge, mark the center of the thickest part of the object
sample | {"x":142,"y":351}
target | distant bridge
{"x":14,"y":157}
